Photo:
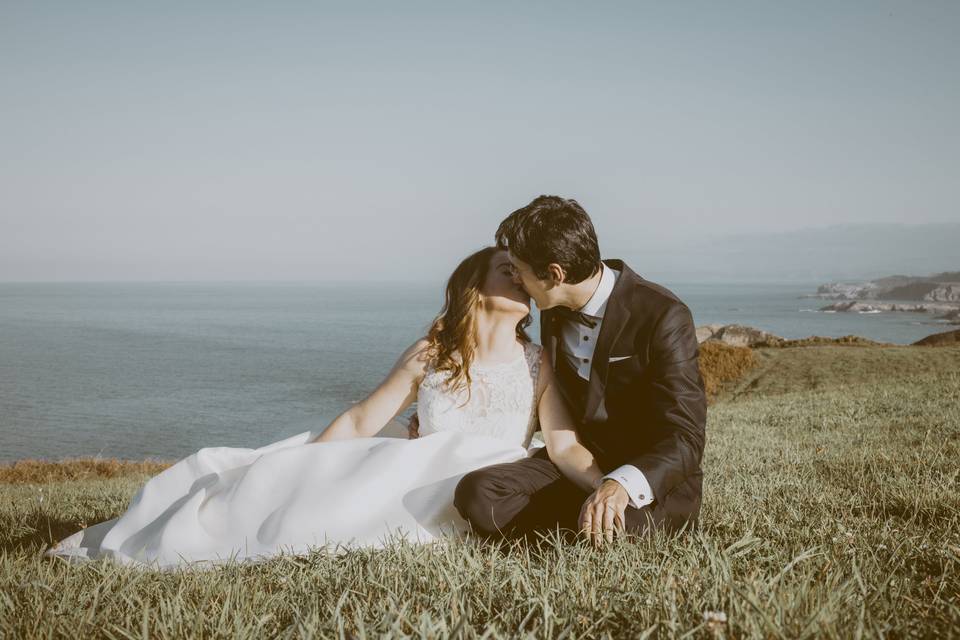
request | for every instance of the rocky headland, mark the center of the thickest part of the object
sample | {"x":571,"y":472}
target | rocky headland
{"x":935,"y":294}
{"x":735,"y":335}
{"x":939,"y":287}
{"x":953,"y":317}
{"x":950,"y":312}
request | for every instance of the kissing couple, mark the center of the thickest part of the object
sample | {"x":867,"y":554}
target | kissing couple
{"x":614,"y":387}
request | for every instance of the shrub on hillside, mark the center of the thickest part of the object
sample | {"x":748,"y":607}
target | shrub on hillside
{"x":721,"y":363}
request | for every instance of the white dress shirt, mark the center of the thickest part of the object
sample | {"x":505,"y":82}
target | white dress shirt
{"x":577,"y":345}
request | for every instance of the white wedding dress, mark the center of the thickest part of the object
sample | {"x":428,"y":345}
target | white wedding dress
{"x":293,"y":495}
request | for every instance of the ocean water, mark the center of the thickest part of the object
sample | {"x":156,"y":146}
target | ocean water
{"x":162,"y":369}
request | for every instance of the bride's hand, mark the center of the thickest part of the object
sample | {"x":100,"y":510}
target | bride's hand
{"x":413,"y":427}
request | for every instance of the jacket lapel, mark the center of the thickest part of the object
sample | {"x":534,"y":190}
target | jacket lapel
{"x":615,"y":319}
{"x":548,"y":335}
{"x":549,"y":338}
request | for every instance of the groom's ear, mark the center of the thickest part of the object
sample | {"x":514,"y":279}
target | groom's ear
{"x":557,"y":274}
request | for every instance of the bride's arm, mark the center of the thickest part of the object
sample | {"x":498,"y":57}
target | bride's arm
{"x":394,"y":394}
{"x":560,"y":434}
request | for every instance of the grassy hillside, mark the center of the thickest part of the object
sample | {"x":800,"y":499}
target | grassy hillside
{"x":831,"y":509}
{"x":840,"y":367}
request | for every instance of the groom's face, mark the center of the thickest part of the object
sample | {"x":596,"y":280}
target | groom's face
{"x":539,"y":290}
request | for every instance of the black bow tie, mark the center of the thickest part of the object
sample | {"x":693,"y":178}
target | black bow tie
{"x":575,"y":316}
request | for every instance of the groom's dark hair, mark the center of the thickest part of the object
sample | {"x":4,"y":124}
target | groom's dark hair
{"x":549,"y":230}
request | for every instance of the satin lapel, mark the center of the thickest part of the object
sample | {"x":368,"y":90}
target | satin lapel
{"x":614,"y":321}
{"x":549,"y":337}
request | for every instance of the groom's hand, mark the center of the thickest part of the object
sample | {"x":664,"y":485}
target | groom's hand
{"x":413,"y":427}
{"x":602,"y":514}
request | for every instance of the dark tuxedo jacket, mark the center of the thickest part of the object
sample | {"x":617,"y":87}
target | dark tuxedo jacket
{"x":648,"y":409}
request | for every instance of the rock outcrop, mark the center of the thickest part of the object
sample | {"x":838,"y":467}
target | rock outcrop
{"x":939,"y":287}
{"x":736,"y":335}
{"x":952,"y":317}
{"x":706,"y":331}
{"x":856,"y":306}
{"x":944,"y":293}
{"x":846,"y":291}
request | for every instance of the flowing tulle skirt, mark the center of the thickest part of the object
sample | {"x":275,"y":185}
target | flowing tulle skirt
{"x":224,"y":503}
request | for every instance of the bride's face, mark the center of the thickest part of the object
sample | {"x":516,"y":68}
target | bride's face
{"x":500,"y":289}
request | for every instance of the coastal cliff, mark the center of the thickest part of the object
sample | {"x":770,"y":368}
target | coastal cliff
{"x":950,"y":312}
{"x":935,"y":294}
{"x":939,"y":287}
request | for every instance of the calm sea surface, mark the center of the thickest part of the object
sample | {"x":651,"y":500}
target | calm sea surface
{"x":161,"y":370}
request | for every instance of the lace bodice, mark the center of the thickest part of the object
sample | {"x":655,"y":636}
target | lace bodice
{"x":502,"y":404}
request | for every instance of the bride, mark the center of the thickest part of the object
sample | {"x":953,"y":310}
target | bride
{"x":480,"y":387}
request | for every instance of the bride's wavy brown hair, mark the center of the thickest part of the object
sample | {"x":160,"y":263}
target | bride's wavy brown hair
{"x":454,"y":330}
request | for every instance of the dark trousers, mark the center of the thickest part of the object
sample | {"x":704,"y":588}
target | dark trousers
{"x":515,"y":499}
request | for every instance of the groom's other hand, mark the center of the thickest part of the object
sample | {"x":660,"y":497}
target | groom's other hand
{"x":602,"y":514}
{"x":413,"y":427}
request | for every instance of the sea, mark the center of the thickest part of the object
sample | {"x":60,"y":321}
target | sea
{"x":160,"y":370}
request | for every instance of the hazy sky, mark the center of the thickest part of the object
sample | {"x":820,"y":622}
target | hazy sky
{"x":283,"y":140}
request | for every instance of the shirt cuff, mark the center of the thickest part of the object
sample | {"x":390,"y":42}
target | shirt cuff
{"x":633,"y":480}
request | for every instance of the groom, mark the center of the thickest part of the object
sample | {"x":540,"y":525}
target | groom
{"x":625,"y":355}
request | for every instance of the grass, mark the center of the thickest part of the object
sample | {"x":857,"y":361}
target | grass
{"x":42,"y":472}
{"x":831,"y":509}
{"x":837,"y":369}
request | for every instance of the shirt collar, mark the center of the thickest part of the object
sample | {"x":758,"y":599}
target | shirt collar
{"x":597,"y":303}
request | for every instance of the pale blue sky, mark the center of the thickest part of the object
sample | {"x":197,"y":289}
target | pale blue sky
{"x":308,"y":141}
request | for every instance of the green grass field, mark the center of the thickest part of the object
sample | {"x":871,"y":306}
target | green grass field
{"x":831,"y":509}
